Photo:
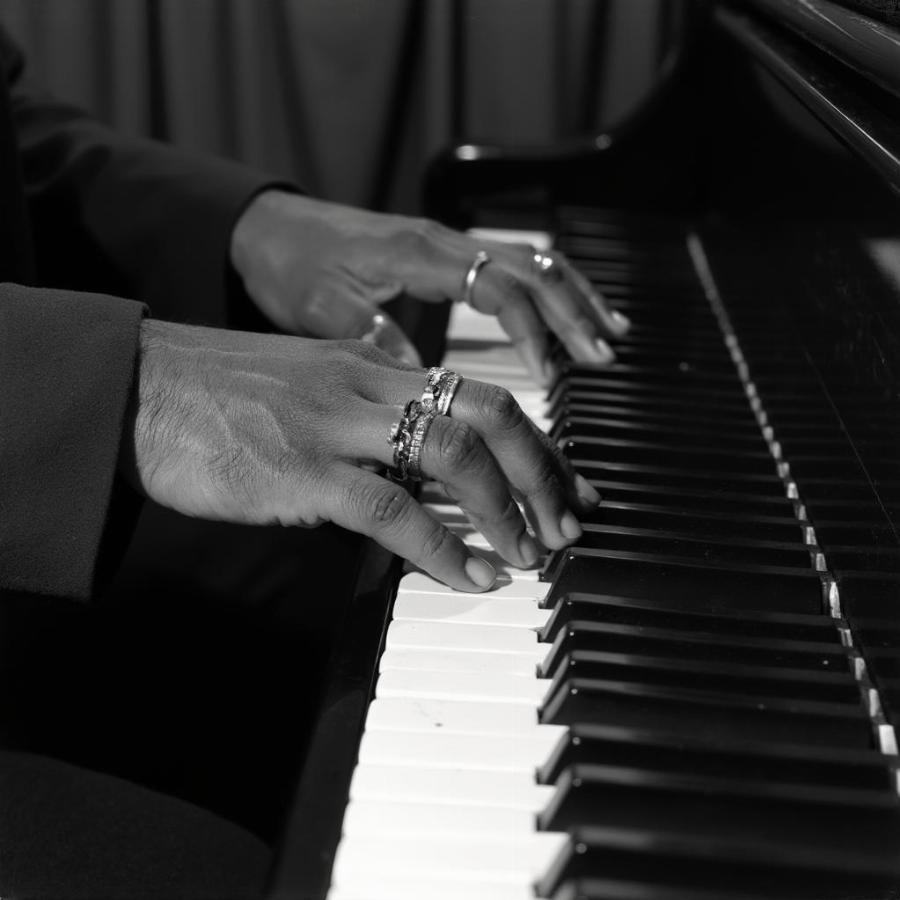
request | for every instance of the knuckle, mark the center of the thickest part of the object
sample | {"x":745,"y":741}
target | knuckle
{"x":544,"y":478}
{"x":503,"y":406}
{"x":434,"y":541}
{"x":498,"y":407}
{"x":383,"y":505}
{"x":459,"y":445}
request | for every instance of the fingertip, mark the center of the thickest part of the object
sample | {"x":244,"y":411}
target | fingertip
{"x":528,"y":550}
{"x":569,"y":526}
{"x":586,"y":492}
{"x":621,"y":321}
{"x":480,"y":572}
{"x":604,"y":351}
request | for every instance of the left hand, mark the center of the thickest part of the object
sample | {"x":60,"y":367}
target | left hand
{"x":323,"y":269}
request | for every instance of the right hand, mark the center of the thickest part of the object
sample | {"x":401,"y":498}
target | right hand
{"x":269,"y":429}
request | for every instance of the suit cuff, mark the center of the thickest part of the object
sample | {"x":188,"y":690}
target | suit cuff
{"x":67,"y":365}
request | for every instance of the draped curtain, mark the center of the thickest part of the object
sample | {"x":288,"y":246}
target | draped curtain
{"x":349,"y":97}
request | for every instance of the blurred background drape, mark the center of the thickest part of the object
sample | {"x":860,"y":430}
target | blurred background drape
{"x":349,"y":97}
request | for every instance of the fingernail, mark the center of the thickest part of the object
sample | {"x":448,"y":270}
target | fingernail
{"x":622,"y":321}
{"x":604,"y":350}
{"x":569,"y":526}
{"x":480,"y":571}
{"x":528,"y":550}
{"x":586,"y":491}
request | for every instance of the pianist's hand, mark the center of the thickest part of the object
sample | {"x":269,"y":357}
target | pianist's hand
{"x":272,"y":429}
{"x":322,"y":269}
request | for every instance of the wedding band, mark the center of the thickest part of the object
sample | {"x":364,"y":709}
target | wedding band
{"x":545,"y":267}
{"x":440,"y":386}
{"x":481,"y":260}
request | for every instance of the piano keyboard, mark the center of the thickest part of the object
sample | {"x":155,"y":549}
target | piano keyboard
{"x":674,"y":708}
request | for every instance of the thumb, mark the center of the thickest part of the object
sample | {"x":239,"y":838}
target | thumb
{"x":349,"y":315}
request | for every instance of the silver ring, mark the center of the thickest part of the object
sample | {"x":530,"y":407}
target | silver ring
{"x":420,"y":430}
{"x":481,"y":260}
{"x":440,"y":386}
{"x":546,"y":267}
{"x":376,"y":326}
{"x":407,"y":436}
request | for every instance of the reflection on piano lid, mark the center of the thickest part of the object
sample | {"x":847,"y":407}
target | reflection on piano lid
{"x":699,"y":699}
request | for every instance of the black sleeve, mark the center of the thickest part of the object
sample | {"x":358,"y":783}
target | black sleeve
{"x":132,"y":216}
{"x":67,"y":365}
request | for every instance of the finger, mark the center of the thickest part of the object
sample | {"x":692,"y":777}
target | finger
{"x":366,"y":503}
{"x":454,"y":454}
{"x":497,"y":293}
{"x":567,"y":303}
{"x":349,"y":315}
{"x":532,"y":466}
{"x":384,"y":333}
{"x":614,"y":323}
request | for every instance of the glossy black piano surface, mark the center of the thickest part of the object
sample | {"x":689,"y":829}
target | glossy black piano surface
{"x":725,"y":638}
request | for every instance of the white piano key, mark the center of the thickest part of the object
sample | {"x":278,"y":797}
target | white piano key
{"x":437,"y":819}
{"x":420,"y":583}
{"x":469,"y":324}
{"x":458,"y":661}
{"x":461,"y":716}
{"x":487,"y":687}
{"x":518,"y":861}
{"x":441,"y":750}
{"x":452,"y":636}
{"x":540,"y":240}
{"x":513,"y":790}
{"x":471,"y":609}
{"x":445,"y":512}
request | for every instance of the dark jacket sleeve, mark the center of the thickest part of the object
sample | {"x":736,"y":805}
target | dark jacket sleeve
{"x":67,"y":364}
{"x":111,"y":215}
{"x":122,"y":214}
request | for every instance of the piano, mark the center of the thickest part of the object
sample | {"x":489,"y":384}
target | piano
{"x":699,"y":700}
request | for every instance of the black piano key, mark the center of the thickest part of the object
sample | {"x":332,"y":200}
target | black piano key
{"x":683,"y":519}
{"x":622,"y":611}
{"x":625,"y":409}
{"x":801,"y":816}
{"x":761,"y":868}
{"x":689,"y":435}
{"x":709,"y":547}
{"x":715,"y":677}
{"x":684,"y":359}
{"x":687,"y":584}
{"x":581,"y":447}
{"x":604,"y":637}
{"x":750,"y":717}
{"x":727,"y":504}
{"x":660,"y":479}
{"x":580,"y":383}
{"x":611,"y":889}
{"x":745,"y":760}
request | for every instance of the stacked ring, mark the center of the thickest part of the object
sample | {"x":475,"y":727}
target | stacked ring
{"x":440,"y":386}
{"x":407,"y":437}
